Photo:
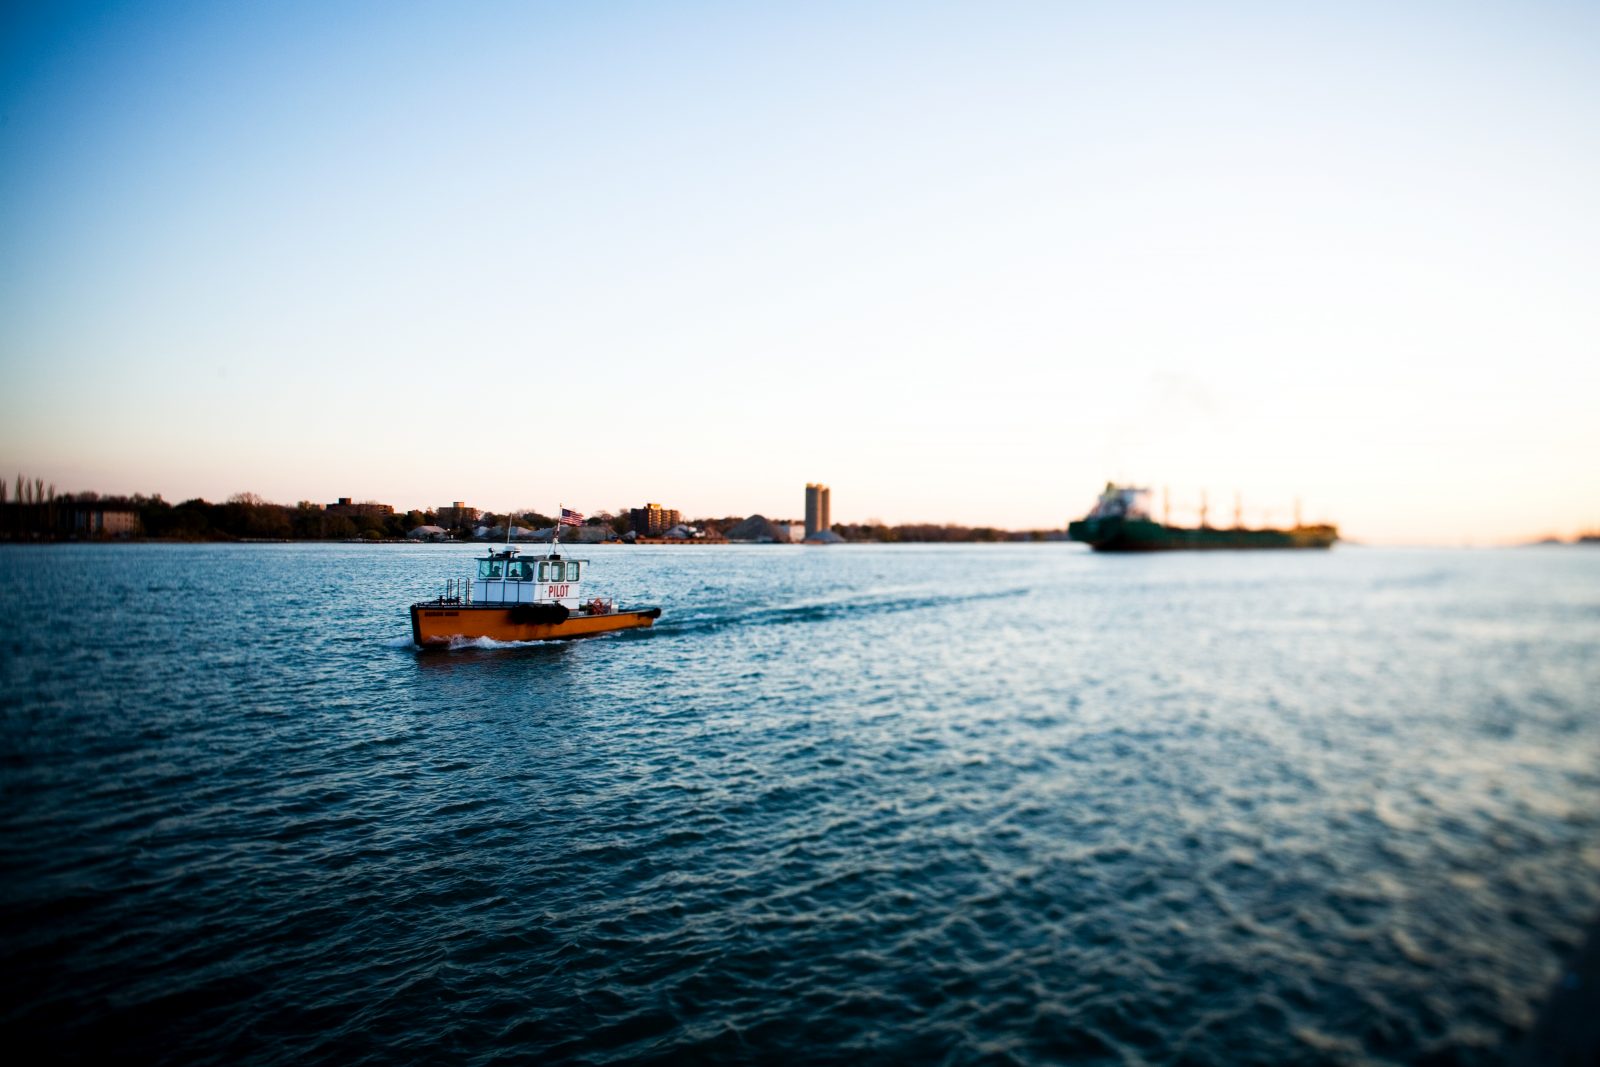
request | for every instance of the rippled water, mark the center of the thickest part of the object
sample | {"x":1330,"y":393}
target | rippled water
{"x":986,"y":803}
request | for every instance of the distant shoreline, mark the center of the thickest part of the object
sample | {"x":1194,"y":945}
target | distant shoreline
{"x":1344,"y":543}
{"x":642,"y":543}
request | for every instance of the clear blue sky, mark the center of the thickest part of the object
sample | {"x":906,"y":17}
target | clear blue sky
{"x":962,"y":262}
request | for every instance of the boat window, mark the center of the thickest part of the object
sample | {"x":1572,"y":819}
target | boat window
{"x":490,"y":568}
{"x":483,"y":568}
{"x":572,"y":572}
{"x":544,"y":572}
{"x":517,"y":570}
{"x":558,"y":572}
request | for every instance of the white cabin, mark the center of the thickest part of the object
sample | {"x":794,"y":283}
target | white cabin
{"x":1121,"y":501}
{"x":506,"y":578}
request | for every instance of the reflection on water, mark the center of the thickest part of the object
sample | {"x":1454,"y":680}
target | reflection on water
{"x":1008,"y":802}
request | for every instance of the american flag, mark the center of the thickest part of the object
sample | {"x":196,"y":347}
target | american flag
{"x":571,"y":518}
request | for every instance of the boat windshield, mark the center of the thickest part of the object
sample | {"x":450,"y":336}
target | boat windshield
{"x":526,"y":570}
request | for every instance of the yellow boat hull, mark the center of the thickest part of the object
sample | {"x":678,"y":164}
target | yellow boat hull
{"x":438,"y":626}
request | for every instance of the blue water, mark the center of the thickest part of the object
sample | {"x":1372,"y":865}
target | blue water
{"x":867,"y":804}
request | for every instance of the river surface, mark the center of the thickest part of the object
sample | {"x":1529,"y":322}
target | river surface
{"x":998,"y":804}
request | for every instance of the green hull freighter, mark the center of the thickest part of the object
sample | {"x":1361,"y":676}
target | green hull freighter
{"x":1121,"y":522}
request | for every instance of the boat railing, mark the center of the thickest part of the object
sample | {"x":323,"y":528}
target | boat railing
{"x":457,"y":591}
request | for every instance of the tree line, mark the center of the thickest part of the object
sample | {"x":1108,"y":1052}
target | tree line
{"x":32,"y":509}
{"x":35,"y":511}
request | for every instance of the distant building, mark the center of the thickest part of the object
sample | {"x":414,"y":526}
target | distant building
{"x":587,"y":535}
{"x":344,"y":507}
{"x":92,"y":521}
{"x":760,"y":530}
{"x":428,"y":533}
{"x":819,"y":514}
{"x":457,"y":514}
{"x":518,"y":533}
{"x":653,"y":520}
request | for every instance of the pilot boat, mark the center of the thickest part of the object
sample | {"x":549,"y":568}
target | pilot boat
{"x":538,"y":598}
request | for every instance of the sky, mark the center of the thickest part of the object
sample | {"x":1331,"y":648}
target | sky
{"x":962,"y":262}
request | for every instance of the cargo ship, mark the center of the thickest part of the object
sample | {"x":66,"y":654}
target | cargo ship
{"x":1121,"y":521}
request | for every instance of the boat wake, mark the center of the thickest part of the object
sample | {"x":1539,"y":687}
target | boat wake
{"x":825,"y":610}
{"x":460,"y":643}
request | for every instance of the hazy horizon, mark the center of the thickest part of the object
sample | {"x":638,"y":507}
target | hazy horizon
{"x":964,"y":266}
